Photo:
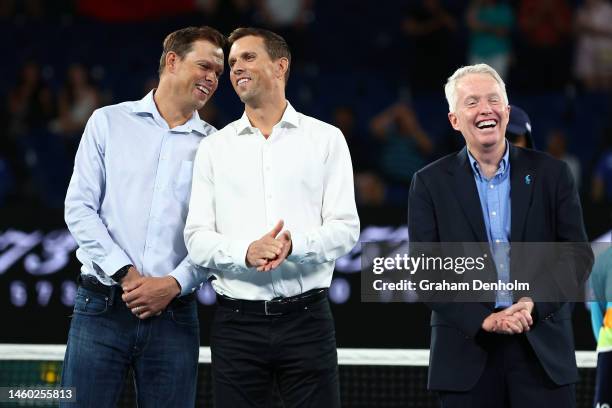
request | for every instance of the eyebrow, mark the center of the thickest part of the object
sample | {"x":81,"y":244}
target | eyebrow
{"x":243,"y":54}
{"x":489,"y":95}
{"x":218,"y":66}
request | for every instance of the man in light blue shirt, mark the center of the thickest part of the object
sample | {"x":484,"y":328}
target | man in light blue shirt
{"x":126,"y":207}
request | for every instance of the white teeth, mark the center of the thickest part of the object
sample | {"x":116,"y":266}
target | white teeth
{"x":243,"y":80}
{"x":203,"y":89}
{"x":484,"y":123}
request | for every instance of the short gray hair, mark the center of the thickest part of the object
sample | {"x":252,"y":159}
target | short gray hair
{"x":450,"y":89}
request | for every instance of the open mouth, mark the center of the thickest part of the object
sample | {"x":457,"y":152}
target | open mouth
{"x":243,"y":81}
{"x":486,"y":124}
{"x":203,"y":89}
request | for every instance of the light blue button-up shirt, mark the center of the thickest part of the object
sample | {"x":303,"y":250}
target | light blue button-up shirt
{"x":494,"y":197}
{"x":128,"y":197}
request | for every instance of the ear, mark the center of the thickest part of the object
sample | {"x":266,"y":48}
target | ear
{"x":454,"y":121}
{"x":171,"y":60}
{"x":282,"y":65}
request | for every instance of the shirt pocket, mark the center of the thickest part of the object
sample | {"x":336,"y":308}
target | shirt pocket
{"x":182,"y":182}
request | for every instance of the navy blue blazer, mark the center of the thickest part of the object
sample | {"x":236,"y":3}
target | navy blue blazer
{"x":444,"y":207}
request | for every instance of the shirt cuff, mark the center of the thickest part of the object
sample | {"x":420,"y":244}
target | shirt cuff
{"x":238,"y":250}
{"x":114,"y":261}
{"x":298,"y":247}
{"x":189,"y":277}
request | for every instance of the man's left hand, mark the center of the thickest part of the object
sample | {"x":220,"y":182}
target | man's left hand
{"x":149,"y":296}
{"x":285,"y":238}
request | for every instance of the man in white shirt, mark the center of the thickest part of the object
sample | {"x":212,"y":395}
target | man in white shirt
{"x":272,"y":208}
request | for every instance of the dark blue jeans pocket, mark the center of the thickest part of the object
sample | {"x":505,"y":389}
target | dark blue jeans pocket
{"x":90,"y":303}
{"x":184,"y":313}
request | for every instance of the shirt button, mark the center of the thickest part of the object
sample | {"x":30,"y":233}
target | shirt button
{"x":493,"y":213}
{"x":497,"y":241}
{"x":491,"y":186}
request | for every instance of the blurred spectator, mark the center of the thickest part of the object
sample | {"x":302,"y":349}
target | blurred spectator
{"x":226,"y":15}
{"x":369,"y":187}
{"x":30,"y":103}
{"x":490,"y":23}
{"x":557,"y":147}
{"x":545,"y":26}
{"x":518,"y":131}
{"x":593,"y":59}
{"x":601,"y":186}
{"x":363,"y":152}
{"x":77,"y":101}
{"x":405,"y":145}
{"x":430,"y":29}
{"x":285,"y":13}
{"x":290,"y":19}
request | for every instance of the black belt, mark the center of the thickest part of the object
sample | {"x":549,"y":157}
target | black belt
{"x":274,"y":307}
{"x":90,"y":282}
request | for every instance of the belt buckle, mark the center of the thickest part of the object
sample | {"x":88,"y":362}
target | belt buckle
{"x":267,"y":312}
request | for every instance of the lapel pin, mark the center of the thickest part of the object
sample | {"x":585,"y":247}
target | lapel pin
{"x":528,"y":179}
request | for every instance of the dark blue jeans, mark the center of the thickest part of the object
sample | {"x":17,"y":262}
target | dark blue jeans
{"x":106,"y":339}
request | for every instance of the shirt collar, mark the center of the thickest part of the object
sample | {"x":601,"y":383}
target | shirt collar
{"x":147,"y":106}
{"x":290,"y":118}
{"x":503,"y":164}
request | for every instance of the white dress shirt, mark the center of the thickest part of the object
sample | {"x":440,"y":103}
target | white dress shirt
{"x":243,"y":184}
{"x":129,"y":193}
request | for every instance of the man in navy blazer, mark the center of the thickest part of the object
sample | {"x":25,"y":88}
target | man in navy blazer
{"x":504,"y":353}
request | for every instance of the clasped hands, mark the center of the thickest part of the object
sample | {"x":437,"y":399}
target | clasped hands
{"x":271,"y":250}
{"x":515,"y":319}
{"x":148,"y":296}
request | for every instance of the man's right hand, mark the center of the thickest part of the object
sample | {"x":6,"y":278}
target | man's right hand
{"x":265,"y":249}
{"x":515,"y":319}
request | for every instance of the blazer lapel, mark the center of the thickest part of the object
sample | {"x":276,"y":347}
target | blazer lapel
{"x":522,"y":180}
{"x":467,"y":195}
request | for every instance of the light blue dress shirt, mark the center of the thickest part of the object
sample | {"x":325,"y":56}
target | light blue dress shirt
{"x":494,"y":197}
{"x":128,"y":197}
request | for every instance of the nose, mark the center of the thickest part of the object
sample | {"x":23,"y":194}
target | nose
{"x":485,"y":107}
{"x":211,"y":77}
{"x":237,"y":68}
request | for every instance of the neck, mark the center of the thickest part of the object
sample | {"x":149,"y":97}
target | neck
{"x":489,"y":159}
{"x":169,"y":106}
{"x":265,"y":115}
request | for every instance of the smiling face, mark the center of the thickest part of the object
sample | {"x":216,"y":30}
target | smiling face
{"x":196,"y":76}
{"x":253,"y":73}
{"x":480,"y":113}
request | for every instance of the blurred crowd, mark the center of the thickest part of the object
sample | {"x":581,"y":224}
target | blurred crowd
{"x":375,"y":72}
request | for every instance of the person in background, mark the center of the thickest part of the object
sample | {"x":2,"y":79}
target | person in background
{"x":557,"y":148}
{"x":518,"y":131}
{"x":601,"y":319}
{"x":491,"y":23}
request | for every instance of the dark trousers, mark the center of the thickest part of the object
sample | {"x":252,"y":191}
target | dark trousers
{"x":106,"y":339}
{"x":603,"y":390}
{"x":296,"y":351}
{"x":513,"y":378}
